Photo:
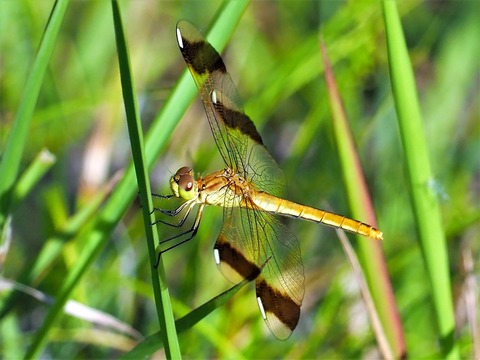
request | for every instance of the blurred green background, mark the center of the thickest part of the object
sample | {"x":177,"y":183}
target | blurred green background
{"x":274,"y":60}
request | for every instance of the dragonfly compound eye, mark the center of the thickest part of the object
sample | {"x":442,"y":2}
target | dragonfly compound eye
{"x":186,"y":186}
{"x":185,"y":182}
{"x":185,"y":170}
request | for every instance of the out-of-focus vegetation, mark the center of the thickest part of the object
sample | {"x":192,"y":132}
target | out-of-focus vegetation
{"x":274,"y":59}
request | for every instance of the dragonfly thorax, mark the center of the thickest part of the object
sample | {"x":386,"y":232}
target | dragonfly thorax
{"x":222,"y":188}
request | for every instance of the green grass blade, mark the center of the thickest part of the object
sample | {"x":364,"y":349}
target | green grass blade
{"x":11,"y":337}
{"x":124,"y":193}
{"x":373,"y":259}
{"x":52,"y":249}
{"x":423,"y":197}
{"x":40,"y":165}
{"x":159,"y":282}
{"x":10,"y":161}
{"x":153,"y":342}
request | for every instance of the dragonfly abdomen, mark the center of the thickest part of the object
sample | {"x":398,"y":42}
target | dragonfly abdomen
{"x":284,"y":207}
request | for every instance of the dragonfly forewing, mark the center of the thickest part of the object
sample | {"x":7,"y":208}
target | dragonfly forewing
{"x":230,"y":127}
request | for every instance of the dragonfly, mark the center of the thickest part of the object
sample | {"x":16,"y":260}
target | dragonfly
{"x":252,"y":244}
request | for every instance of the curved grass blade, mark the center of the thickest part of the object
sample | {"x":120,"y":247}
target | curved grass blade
{"x":424,"y":199}
{"x":11,"y":157}
{"x":154,"y":342}
{"x":31,"y":176}
{"x":160,"y":289}
{"x":373,"y":259}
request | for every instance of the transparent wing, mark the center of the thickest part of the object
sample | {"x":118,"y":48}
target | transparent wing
{"x":252,"y":244}
{"x":237,"y":139}
{"x":232,"y":129}
{"x":263,"y":171}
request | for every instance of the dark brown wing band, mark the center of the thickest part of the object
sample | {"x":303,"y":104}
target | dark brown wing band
{"x":238,"y":120}
{"x":235,"y":259}
{"x":203,"y":59}
{"x":281,"y":311}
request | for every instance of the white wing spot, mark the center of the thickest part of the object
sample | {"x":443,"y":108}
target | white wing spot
{"x":260,"y":306}
{"x":179,"y":38}
{"x":216,"y":255}
{"x":214,"y":96}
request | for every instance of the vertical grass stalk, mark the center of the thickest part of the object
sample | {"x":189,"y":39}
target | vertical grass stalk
{"x":371,"y":254}
{"x":160,"y":289}
{"x":423,"y":197}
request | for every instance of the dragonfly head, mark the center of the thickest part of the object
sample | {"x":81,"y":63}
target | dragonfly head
{"x":183,"y":184}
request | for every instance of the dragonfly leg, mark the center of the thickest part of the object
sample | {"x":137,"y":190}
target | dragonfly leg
{"x":175,"y":213}
{"x":159,"y":196}
{"x":171,"y":212}
{"x":163,"y":196}
{"x":192,"y":232}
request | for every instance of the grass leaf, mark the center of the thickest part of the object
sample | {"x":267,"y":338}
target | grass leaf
{"x":424,"y":199}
